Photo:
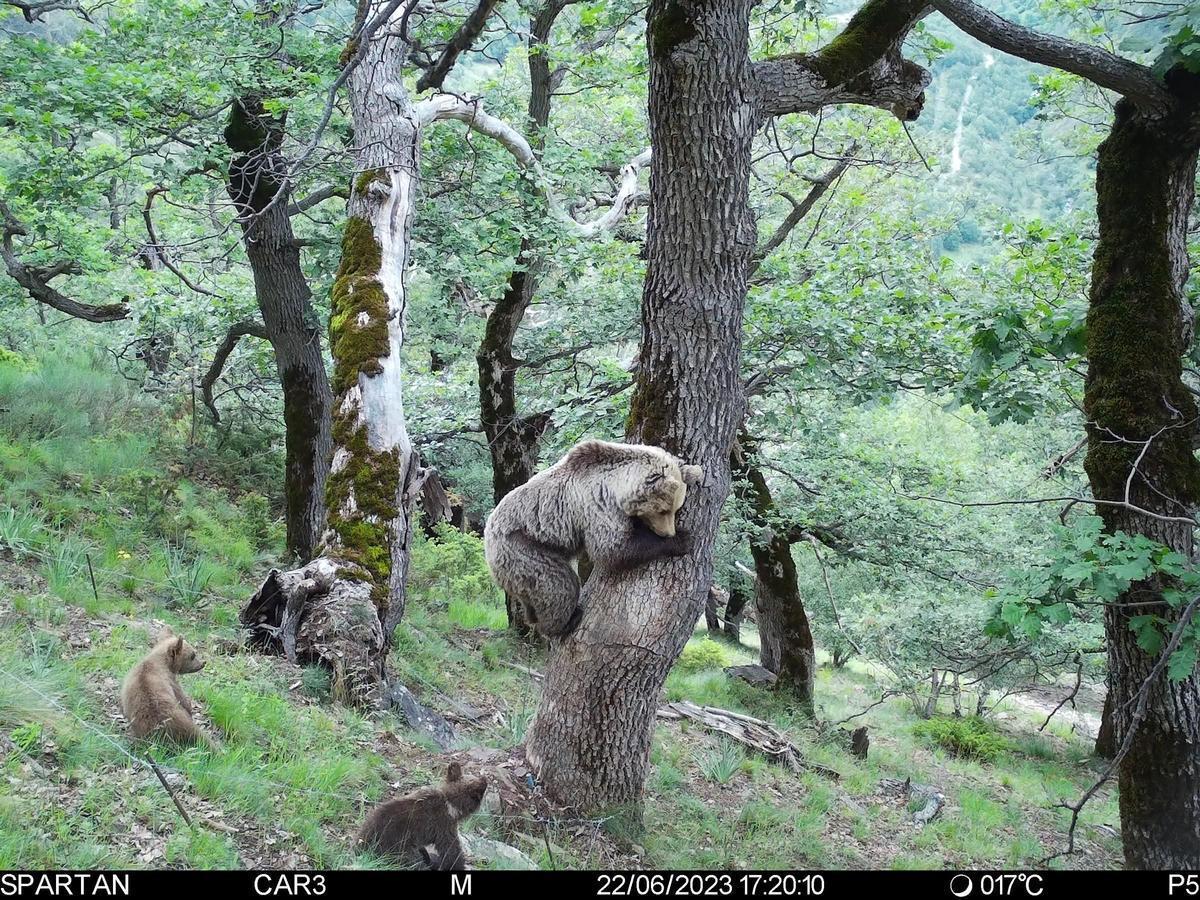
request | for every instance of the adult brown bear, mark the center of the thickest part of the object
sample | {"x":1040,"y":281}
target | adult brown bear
{"x":615,"y":502}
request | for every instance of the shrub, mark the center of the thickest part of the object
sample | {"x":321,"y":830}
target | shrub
{"x":20,"y":530}
{"x":720,"y":765}
{"x":702,"y":654}
{"x":450,"y":569}
{"x":970,"y":737}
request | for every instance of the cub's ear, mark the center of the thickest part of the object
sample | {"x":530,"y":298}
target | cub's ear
{"x":176,"y":648}
{"x":691,"y":474}
{"x":453,"y":772}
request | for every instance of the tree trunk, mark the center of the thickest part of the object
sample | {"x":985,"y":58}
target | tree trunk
{"x":590,"y":740}
{"x":291,"y":325}
{"x":1106,"y":737}
{"x":786,"y":639}
{"x":375,"y":478}
{"x":735,"y":610}
{"x":1141,"y":415}
{"x":513,"y":439}
{"x":717,"y":600}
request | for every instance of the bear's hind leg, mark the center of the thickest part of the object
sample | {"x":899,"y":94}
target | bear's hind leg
{"x":547,"y":584}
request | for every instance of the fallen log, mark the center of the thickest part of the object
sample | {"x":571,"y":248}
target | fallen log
{"x":760,"y":736}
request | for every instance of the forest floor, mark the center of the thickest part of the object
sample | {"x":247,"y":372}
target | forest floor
{"x":171,"y":535}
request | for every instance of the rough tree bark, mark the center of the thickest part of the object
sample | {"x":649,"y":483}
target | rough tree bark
{"x":1142,"y":420}
{"x":590,"y":740}
{"x":289,"y":322}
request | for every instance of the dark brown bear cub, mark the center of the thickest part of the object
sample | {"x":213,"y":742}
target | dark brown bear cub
{"x":401,"y":829}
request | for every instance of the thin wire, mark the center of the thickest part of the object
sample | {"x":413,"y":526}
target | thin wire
{"x":258,"y":782}
{"x":79,"y":568}
{"x":490,"y":729}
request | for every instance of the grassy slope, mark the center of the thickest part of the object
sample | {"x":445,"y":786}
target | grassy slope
{"x":90,"y":469}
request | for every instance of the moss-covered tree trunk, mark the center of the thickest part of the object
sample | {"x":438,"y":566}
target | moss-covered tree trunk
{"x":291,"y":325}
{"x":342,"y":608}
{"x":1140,"y":415}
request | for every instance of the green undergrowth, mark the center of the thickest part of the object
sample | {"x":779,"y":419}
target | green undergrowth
{"x":180,"y":531}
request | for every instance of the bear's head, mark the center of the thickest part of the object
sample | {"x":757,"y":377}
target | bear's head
{"x":659,"y":491}
{"x":180,"y":655}
{"x":464,"y":795}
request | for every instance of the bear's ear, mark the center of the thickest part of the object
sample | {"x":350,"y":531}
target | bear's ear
{"x":691,"y":474}
{"x":176,"y":648}
{"x":453,"y":772}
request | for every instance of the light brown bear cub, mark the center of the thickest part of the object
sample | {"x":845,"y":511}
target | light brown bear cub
{"x":401,"y":830}
{"x":151,"y":697}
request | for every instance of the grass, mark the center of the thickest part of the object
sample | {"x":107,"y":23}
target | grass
{"x":177,"y":535}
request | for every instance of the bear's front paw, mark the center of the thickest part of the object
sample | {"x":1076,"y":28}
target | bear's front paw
{"x":680,"y":545}
{"x":573,"y":622}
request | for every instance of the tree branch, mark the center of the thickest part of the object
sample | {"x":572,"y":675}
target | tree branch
{"x":36,"y":279}
{"x":861,"y":65}
{"x":160,"y":250}
{"x":462,"y":40}
{"x":1099,"y":66}
{"x":802,"y":208}
{"x":318,"y":196}
{"x":441,"y":107}
{"x":236,"y":333}
{"x":34,"y":11}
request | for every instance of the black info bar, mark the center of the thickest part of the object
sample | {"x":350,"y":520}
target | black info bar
{"x":235,"y":885}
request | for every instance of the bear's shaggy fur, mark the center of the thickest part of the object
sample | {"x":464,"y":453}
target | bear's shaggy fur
{"x":614,"y":502}
{"x":401,"y":830}
{"x":151,"y":697}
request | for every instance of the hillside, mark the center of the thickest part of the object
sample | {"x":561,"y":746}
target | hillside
{"x":175,"y":532}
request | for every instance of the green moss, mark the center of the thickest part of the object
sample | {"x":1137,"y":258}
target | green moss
{"x":358,"y":326}
{"x":358,"y":336}
{"x":650,"y":410}
{"x":303,"y":417}
{"x":249,"y":127}
{"x":348,"y":51}
{"x":253,"y":134}
{"x":372,"y":478}
{"x":670,"y":28}
{"x":869,"y":35}
{"x":369,"y":176}
{"x":1134,"y":340}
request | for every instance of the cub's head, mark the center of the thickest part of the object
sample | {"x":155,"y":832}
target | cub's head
{"x":658,"y":486}
{"x":464,"y":795}
{"x":180,"y":655}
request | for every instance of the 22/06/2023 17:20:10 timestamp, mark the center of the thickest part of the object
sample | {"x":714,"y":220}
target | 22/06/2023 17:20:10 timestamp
{"x":776,"y":884}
